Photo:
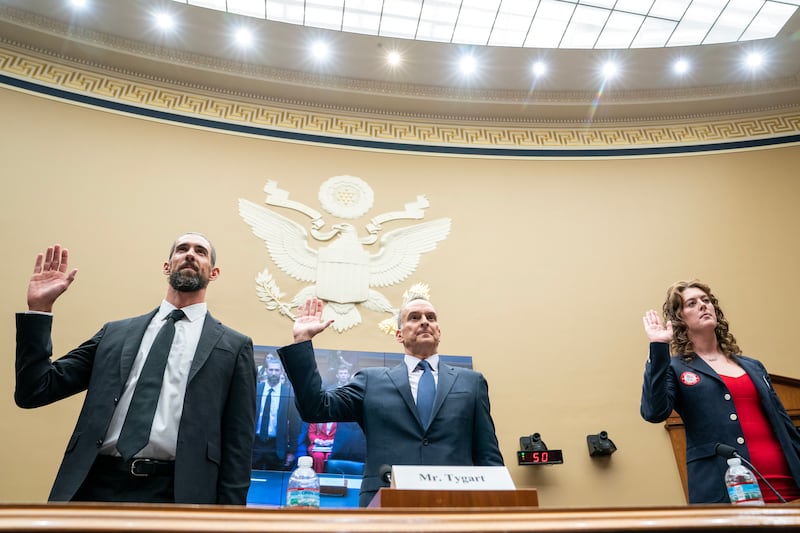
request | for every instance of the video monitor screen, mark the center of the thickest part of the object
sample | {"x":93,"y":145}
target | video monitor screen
{"x":338,"y":449}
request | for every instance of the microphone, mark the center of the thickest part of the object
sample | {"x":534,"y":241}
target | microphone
{"x":729,"y":452}
{"x":385,"y":474}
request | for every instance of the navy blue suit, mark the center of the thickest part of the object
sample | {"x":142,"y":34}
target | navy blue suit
{"x":287,"y":429}
{"x":215,"y":437}
{"x":700,"y":397}
{"x":461,"y":431}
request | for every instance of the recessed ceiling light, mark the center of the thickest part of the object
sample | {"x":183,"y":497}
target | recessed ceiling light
{"x":243,"y":37}
{"x":681,"y":67}
{"x":754,"y":60}
{"x":610,"y":70}
{"x":165,"y":21}
{"x":394,"y":58}
{"x":539,"y":68}
{"x":467,"y":64}
{"x":320,"y":50}
{"x":78,"y":3}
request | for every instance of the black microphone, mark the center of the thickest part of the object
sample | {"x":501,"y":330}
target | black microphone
{"x":385,"y":474}
{"x":729,"y":452}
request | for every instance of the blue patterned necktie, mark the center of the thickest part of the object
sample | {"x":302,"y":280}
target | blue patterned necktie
{"x":135,"y":433}
{"x":426,"y":392}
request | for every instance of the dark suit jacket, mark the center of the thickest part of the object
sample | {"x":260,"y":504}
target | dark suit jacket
{"x":706,"y":406}
{"x":461,"y":430}
{"x":215,"y":436}
{"x":287,"y":432}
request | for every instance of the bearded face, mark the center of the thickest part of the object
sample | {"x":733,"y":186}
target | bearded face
{"x":190,"y":267}
{"x":187,"y":280}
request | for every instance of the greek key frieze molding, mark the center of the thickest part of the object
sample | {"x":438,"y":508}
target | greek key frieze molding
{"x":252,"y":113}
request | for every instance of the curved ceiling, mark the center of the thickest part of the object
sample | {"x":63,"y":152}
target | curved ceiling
{"x":121,"y":36}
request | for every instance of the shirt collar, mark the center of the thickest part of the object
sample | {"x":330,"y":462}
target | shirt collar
{"x":193,"y":312}
{"x":412,"y":362}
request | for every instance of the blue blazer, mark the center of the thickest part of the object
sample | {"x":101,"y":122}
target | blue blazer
{"x":215,"y":437}
{"x":460,"y":432}
{"x":700,"y":397}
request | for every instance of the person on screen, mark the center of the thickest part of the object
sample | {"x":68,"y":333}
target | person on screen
{"x":342,"y":376}
{"x":278,"y":424}
{"x":320,"y":438}
{"x":459,"y":430}
{"x":722,"y":396}
{"x":187,"y":431}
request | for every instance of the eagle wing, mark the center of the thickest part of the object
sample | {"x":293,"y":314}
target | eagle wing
{"x":401,"y":249}
{"x":286,"y":240}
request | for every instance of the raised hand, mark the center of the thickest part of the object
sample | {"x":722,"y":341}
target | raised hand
{"x":656,"y":331}
{"x":308,"y":320}
{"x":49,"y":279}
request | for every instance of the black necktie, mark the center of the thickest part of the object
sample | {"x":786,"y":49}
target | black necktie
{"x":426,"y":392}
{"x":135,"y":433}
{"x":264,"y":431}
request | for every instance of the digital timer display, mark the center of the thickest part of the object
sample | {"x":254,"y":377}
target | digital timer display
{"x":544,"y":457}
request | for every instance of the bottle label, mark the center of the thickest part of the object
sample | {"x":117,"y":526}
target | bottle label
{"x":745,"y":494}
{"x":302,"y":497}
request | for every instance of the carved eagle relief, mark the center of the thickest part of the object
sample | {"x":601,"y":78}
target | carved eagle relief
{"x":343,"y":272}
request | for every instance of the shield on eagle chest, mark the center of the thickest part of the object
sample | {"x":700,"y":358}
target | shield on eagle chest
{"x":343,"y":274}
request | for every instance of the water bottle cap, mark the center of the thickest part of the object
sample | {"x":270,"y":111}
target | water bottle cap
{"x":305,"y":461}
{"x":733,"y":461}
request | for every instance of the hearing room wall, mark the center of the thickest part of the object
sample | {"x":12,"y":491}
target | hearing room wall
{"x":543,"y":280}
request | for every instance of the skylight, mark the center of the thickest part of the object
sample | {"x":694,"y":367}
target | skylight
{"x":586,"y":24}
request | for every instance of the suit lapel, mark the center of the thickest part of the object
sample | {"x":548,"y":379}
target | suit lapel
{"x":701,"y":366}
{"x":212,"y":331}
{"x":447,"y":377}
{"x":133,"y":339}
{"x":399,"y":377}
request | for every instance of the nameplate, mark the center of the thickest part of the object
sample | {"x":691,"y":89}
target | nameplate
{"x":414,"y":477}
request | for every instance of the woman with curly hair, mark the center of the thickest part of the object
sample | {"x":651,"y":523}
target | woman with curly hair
{"x":696,"y":368}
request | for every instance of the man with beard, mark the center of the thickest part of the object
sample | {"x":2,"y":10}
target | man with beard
{"x":278,"y":423}
{"x":175,"y":431}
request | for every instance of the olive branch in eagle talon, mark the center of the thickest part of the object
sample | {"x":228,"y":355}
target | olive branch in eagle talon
{"x":269,"y":293}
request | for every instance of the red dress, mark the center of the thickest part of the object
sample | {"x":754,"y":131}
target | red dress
{"x":765,"y":450}
{"x":324,"y":431}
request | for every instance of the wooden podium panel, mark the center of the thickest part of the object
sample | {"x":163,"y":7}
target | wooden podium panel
{"x":788,"y":390}
{"x":454,"y":499}
{"x":131,"y":518}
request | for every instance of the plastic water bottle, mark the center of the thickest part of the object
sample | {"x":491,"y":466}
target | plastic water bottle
{"x":742,"y":484}
{"x":303,"y":489}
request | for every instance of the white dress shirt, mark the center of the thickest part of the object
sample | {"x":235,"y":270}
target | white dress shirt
{"x":275,"y":399}
{"x":164,"y":433}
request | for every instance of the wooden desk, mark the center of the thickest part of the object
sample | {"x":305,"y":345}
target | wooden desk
{"x":113,"y":518}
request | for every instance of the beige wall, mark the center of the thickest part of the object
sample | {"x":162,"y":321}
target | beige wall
{"x":543,"y":281}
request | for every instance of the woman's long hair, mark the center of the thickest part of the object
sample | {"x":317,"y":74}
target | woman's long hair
{"x":681,"y":345}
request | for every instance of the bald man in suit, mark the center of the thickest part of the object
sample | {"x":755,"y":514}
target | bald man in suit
{"x":460,"y":430}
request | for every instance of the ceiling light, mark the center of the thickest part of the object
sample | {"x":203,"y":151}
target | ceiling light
{"x":394,"y":58}
{"x":680,"y":67}
{"x":467,"y":64}
{"x":165,"y":21}
{"x":243,"y":37}
{"x":78,"y":3}
{"x":754,"y":60}
{"x":539,"y":69}
{"x":610,"y":70}
{"x":319,"y":50}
